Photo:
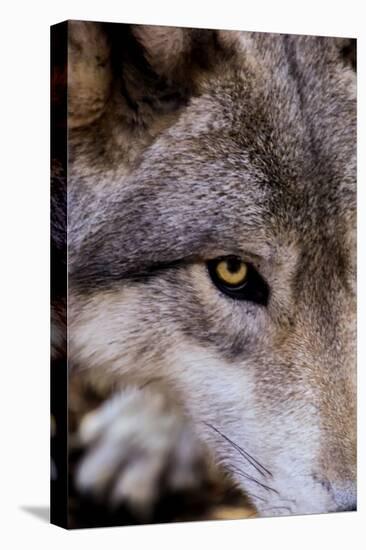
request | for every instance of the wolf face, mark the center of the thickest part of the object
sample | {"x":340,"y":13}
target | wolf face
{"x":195,"y":157}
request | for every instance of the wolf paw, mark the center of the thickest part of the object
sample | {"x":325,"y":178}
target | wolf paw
{"x":137,"y":447}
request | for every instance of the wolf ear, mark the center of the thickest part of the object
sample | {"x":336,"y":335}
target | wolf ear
{"x":346,"y":50}
{"x":156,"y":67}
{"x":89,"y":72}
{"x":165,"y":48}
{"x":161,"y":63}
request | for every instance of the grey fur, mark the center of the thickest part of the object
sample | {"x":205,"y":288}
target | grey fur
{"x":254,"y":156}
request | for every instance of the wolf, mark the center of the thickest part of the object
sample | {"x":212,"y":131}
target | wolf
{"x":212,"y":261}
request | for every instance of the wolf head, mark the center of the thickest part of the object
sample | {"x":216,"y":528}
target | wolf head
{"x":189,"y":148}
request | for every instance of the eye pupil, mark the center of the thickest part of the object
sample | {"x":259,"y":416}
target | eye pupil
{"x":233,"y":265}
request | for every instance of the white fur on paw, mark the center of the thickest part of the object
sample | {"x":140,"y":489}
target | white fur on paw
{"x":131,"y":440}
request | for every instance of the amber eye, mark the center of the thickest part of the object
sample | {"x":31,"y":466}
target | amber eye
{"x":238,"y":279}
{"x":232,"y":271}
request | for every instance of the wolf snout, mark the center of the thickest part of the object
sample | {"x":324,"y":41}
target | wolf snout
{"x":345,"y":496}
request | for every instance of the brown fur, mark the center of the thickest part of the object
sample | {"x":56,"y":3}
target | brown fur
{"x":188,"y":145}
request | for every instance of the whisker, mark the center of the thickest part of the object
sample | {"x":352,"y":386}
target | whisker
{"x":252,"y":495}
{"x":257,"y":465}
{"x":240,"y":472}
{"x":151,"y":381}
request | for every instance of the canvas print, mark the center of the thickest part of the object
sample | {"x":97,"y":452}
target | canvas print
{"x":203,"y":263}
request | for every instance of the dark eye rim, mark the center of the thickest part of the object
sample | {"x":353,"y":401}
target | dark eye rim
{"x":254,"y":289}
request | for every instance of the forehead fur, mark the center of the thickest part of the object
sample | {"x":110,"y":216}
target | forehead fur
{"x":265,"y":148}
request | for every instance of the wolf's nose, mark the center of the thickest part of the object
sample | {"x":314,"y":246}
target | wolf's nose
{"x":345,"y":495}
